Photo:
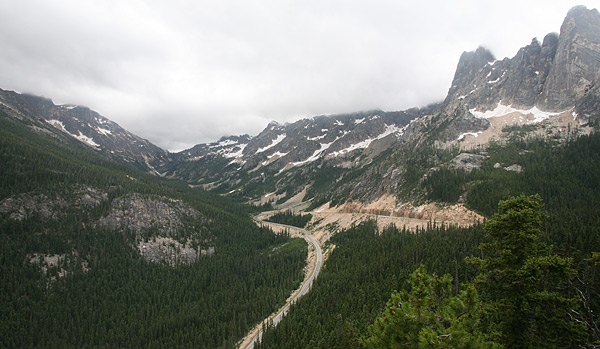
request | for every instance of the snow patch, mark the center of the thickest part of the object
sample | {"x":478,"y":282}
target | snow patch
{"x":316,"y":138}
{"x":68,"y":106}
{"x":338,"y":123}
{"x":315,"y":155}
{"x":497,"y":79}
{"x":280,"y":154}
{"x":224,"y":143}
{"x":389,"y":129}
{"x":474,"y":134}
{"x":359,"y":121}
{"x":237,"y":154}
{"x":58,"y":124}
{"x":269,"y":157}
{"x":86,"y":139}
{"x":103,"y":131}
{"x":574,"y":114}
{"x":353,"y":147}
{"x":502,"y":110}
{"x":276,"y":141}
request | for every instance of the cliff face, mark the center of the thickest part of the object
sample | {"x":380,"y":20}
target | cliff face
{"x":552,"y":75}
{"x":577,"y":61}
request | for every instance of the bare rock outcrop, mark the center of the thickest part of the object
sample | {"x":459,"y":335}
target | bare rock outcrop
{"x":27,"y":205}
{"x":159,"y":225}
{"x":466,"y":162}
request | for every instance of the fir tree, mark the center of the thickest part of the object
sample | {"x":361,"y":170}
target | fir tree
{"x":429,"y":316}
{"x":523,"y":283}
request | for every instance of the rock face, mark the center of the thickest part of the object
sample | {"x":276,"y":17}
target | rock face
{"x":171,"y":251}
{"x":139,"y":214}
{"x":551,"y":75}
{"x":466,"y":162}
{"x":25,"y":206}
{"x":517,"y":81}
{"x":577,"y":61}
{"x":161,"y":228}
{"x":588,"y":107}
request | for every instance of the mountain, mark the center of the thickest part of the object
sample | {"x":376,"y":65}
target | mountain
{"x":342,"y":141}
{"x":490,"y":100}
{"x":546,"y":88}
{"x":96,"y":252}
{"x":87,"y":126}
{"x":108,"y":240}
{"x":552,"y":75}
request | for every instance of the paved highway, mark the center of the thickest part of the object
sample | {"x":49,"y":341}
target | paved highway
{"x":248,"y":343}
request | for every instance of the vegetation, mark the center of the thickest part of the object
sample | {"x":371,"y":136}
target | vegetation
{"x":288,"y":217}
{"x":359,"y":276}
{"x":429,"y":315}
{"x":102,"y":292}
{"x":567,"y":178}
{"x":531,"y":278}
{"x":524,"y":284}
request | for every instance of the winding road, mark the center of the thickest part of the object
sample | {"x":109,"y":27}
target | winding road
{"x":253,"y":336}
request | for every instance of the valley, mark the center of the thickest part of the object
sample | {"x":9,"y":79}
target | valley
{"x":108,"y":240}
{"x":313,"y":266}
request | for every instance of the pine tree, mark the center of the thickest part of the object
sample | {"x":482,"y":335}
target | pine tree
{"x":523,"y":284}
{"x":429,"y":316}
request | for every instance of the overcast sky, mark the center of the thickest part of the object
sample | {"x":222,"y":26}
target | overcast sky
{"x":185,"y":72}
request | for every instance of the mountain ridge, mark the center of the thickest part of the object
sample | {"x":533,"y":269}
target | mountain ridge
{"x":543,"y":81}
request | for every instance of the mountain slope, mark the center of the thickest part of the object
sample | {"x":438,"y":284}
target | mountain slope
{"x":365,"y":156}
{"x":87,"y":126}
{"x":492,"y":100}
{"x":97,"y":253}
{"x":547,"y":88}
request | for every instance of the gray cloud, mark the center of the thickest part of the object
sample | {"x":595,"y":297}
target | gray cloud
{"x":185,"y":72}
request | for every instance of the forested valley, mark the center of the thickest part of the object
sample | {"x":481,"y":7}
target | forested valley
{"x":68,"y":281}
{"x":347,"y":305}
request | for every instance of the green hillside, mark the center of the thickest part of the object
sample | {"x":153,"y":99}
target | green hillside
{"x":70,"y":280}
{"x":367,"y":265}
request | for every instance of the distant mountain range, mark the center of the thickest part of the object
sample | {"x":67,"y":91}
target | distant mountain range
{"x":364,"y":155}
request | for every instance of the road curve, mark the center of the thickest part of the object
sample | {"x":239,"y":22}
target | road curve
{"x":248,"y":343}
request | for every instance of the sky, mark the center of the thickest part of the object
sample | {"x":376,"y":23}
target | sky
{"x":179,"y":73}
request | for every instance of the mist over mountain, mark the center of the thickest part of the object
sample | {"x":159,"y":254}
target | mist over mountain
{"x":108,"y":240}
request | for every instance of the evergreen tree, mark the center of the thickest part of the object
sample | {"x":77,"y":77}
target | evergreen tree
{"x":429,"y":316}
{"x":524,"y":285}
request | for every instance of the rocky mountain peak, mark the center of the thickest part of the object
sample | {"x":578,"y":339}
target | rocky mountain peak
{"x":468,"y":65}
{"x":550,"y":43}
{"x":551,"y":76}
{"x":577,"y":59}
